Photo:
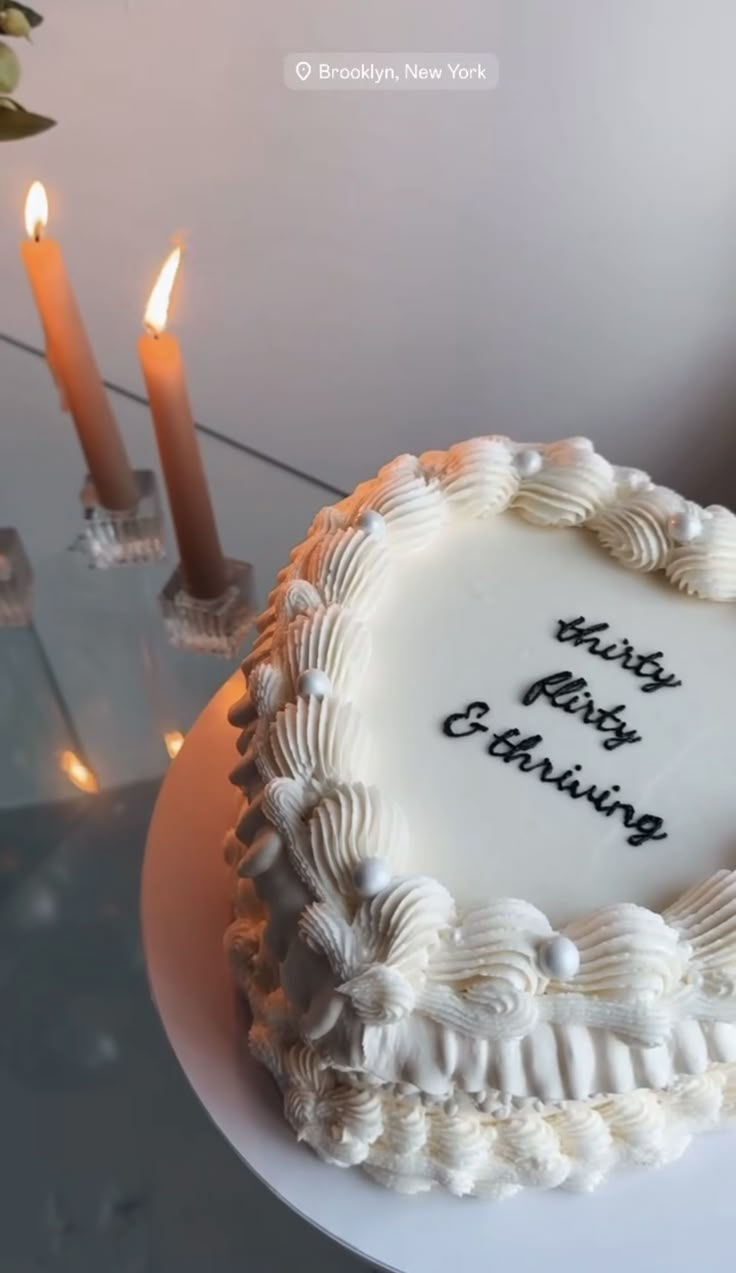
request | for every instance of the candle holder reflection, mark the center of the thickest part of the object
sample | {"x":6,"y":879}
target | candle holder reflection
{"x":16,"y":581}
{"x":45,"y":761}
{"x":210,"y":625}
{"x":79,"y":774}
{"x":123,"y":537}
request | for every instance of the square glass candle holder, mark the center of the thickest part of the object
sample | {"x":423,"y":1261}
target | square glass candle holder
{"x":127,"y":537}
{"x":16,"y":581}
{"x":210,"y":626}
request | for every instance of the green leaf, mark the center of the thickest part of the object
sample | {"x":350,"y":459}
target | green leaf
{"x":17,"y":123}
{"x":34,"y":19}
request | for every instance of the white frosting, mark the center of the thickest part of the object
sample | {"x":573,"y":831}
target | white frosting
{"x":636,"y":530}
{"x":349,"y":566}
{"x":329,"y":640}
{"x":705,"y":564}
{"x":411,"y":504}
{"x":464,"y":807}
{"x":498,"y":942}
{"x":605,"y":939}
{"x":314,"y":740}
{"x":479,"y":477}
{"x":486,"y":1044}
{"x":353,"y":825}
{"x":572,"y":484}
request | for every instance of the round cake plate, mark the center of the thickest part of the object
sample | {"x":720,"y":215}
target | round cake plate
{"x":677,"y":1219}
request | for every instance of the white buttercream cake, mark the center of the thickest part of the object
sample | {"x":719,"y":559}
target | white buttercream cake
{"x":484,"y":910}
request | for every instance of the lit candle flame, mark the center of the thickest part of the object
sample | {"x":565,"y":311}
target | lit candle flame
{"x":78,"y":773}
{"x":174,"y":742}
{"x":157,"y":309}
{"x":37,"y":210}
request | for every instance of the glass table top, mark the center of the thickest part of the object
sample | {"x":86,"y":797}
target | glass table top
{"x":107,"y":1160}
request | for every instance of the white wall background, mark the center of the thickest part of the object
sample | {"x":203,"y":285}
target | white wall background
{"x":374,"y":272}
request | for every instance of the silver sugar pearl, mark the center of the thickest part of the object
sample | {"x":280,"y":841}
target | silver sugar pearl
{"x":685,"y":526}
{"x":559,"y":958}
{"x":527,"y":463}
{"x":372,"y":523}
{"x":371,"y":876}
{"x":314,"y":683}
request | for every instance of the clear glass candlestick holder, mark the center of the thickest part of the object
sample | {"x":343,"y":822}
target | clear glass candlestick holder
{"x":16,"y":581}
{"x":216,"y":625}
{"x":127,"y":537}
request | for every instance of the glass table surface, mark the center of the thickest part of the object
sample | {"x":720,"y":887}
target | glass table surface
{"x":107,"y":1160}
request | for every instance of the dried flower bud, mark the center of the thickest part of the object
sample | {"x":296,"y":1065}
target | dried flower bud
{"x":14,"y":22}
{"x":9,"y":69}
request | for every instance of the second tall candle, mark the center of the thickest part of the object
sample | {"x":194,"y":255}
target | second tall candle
{"x":202,"y":560}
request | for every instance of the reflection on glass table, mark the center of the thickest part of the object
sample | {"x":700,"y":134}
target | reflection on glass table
{"x":106,"y":1158}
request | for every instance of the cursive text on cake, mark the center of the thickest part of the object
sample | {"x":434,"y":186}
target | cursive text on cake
{"x":646,"y":666}
{"x":511,"y":747}
{"x":571,"y":695}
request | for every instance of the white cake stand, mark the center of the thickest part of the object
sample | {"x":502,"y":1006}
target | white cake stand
{"x":677,"y":1219}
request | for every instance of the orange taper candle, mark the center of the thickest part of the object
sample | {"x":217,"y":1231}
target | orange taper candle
{"x":72,"y":361}
{"x":202,"y":560}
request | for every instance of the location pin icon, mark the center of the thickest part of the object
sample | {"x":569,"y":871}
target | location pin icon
{"x":303,"y":70}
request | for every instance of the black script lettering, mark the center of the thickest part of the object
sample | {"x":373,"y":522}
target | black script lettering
{"x":571,"y":695}
{"x":511,"y":747}
{"x":647,"y":667}
{"x":472,"y":716}
{"x":647,"y":826}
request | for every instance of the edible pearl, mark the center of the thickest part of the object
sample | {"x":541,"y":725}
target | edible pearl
{"x":527,"y":463}
{"x":685,"y":526}
{"x":314,"y":683}
{"x":372,"y":523}
{"x":371,"y":876}
{"x":559,"y":958}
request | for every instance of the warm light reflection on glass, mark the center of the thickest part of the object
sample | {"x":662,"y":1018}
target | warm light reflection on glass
{"x":157,"y":309}
{"x":37,"y":210}
{"x":77,"y":772}
{"x":173,"y":742}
